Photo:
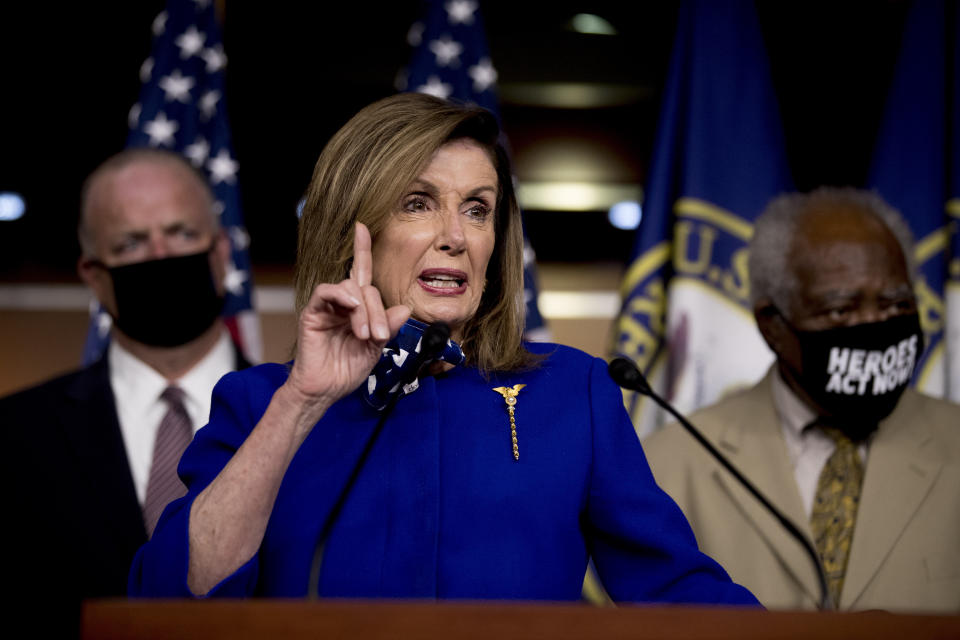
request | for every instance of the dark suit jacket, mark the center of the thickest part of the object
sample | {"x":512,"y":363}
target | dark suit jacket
{"x":75,"y":522}
{"x":76,"y":508}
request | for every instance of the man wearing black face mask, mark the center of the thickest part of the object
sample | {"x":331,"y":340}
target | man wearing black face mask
{"x":94,"y":453}
{"x":868,"y":468}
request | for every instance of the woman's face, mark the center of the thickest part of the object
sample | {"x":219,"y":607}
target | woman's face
{"x":432,"y":255}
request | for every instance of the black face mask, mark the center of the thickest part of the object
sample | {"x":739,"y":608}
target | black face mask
{"x":166,"y":302}
{"x":857,"y":373}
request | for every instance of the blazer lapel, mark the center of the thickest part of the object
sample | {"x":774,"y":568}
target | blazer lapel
{"x":89,"y":419}
{"x":755,"y":447}
{"x":902,"y":466}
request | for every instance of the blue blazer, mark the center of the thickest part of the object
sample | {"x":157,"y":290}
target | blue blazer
{"x":441,"y":509}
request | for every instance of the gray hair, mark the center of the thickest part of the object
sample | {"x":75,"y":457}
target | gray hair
{"x":124,"y":159}
{"x":770,"y":275}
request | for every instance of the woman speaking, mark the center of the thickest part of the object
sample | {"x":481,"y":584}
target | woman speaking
{"x":493,"y":471}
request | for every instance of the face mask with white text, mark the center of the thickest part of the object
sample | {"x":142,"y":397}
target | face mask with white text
{"x":858,"y":373}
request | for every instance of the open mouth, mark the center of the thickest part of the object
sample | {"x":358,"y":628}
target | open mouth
{"x":443,"y":280}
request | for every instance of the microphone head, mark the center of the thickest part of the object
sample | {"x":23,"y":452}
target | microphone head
{"x":627,"y":375}
{"x":434,"y":340}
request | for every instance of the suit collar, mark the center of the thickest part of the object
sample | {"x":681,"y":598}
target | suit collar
{"x":904,"y":462}
{"x":88,"y":419}
{"x":755,"y":443}
{"x":88,"y":384}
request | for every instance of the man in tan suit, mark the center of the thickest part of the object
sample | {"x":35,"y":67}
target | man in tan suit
{"x":868,"y":469}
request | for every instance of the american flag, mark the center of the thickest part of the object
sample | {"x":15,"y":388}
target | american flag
{"x":181,"y":108}
{"x":451,"y":60}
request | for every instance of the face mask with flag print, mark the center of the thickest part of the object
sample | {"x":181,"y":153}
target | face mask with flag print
{"x":857,"y":374}
{"x":398,"y":358}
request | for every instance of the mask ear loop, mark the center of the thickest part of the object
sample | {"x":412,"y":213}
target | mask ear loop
{"x":839,"y":422}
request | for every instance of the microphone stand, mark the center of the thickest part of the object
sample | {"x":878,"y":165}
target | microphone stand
{"x":626,"y":374}
{"x":434,"y":338}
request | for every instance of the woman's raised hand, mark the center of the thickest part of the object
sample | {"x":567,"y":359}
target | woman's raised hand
{"x":343,"y":329}
{"x":342,"y":332}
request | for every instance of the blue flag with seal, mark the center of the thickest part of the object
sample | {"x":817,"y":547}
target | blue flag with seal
{"x":181,"y":108}
{"x":718,"y":158}
{"x":916,"y":168}
{"x":451,"y":60}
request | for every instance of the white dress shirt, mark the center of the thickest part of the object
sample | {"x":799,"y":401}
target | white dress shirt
{"x":137,"y":388}
{"x":808,"y":449}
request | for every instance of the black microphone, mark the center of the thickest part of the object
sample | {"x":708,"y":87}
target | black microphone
{"x":432,"y":342}
{"x":626,"y":374}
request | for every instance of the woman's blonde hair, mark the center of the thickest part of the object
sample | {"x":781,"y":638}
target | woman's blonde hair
{"x":361,"y":176}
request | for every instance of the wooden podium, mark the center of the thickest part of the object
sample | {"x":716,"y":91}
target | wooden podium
{"x":294,"y":619}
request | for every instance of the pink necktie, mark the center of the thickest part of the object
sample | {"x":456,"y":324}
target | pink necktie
{"x":173,"y":436}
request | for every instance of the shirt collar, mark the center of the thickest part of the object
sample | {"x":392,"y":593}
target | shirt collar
{"x":794,"y":413}
{"x":200,"y":380}
{"x":134,"y":381}
{"x":141,"y":385}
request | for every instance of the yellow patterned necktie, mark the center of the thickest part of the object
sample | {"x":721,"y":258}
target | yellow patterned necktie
{"x":835,"y":509}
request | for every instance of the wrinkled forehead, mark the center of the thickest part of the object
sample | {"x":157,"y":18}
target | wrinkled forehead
{"x":145,"y":193}
{"x":838,"y":248}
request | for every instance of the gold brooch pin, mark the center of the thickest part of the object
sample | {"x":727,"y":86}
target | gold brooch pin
{"x":510,"y":397}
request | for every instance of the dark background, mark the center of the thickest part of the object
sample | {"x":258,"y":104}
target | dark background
{"x":298,"y":71}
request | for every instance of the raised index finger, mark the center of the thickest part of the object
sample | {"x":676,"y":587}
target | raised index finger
{"x":362,"y":271}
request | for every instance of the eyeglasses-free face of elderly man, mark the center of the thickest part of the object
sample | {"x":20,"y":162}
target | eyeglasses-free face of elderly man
{"x":866,"y":466}
{"x":843,"y":322}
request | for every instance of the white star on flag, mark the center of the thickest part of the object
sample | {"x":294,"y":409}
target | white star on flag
{"x":176,"y":86}
{"x":415,"y":34}
{"x":161,"y":130}
{"x":483,"y":74}
{"x":215,"y":58}
{"x":223,"y":168}
{"x":190,"y":42}
{"x":234,"y":278}
{"x":460,"y":11}
{"x":198,"y":152}
{"x":104,"y":322}
{"x":208,"y":103}
{"x":146,"y":70}
{"x":159,"y":23}
{"x":436,"y":87}
{"x":447,"y":51}
{"x":239,"y":238}
{"x":133,"y":118}
{"x":181,"y":108}
{"x":528,"y":255}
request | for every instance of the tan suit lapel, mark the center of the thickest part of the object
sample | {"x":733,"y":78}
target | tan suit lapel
{"x":902,"y":465}
{"x":755,"y":447}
